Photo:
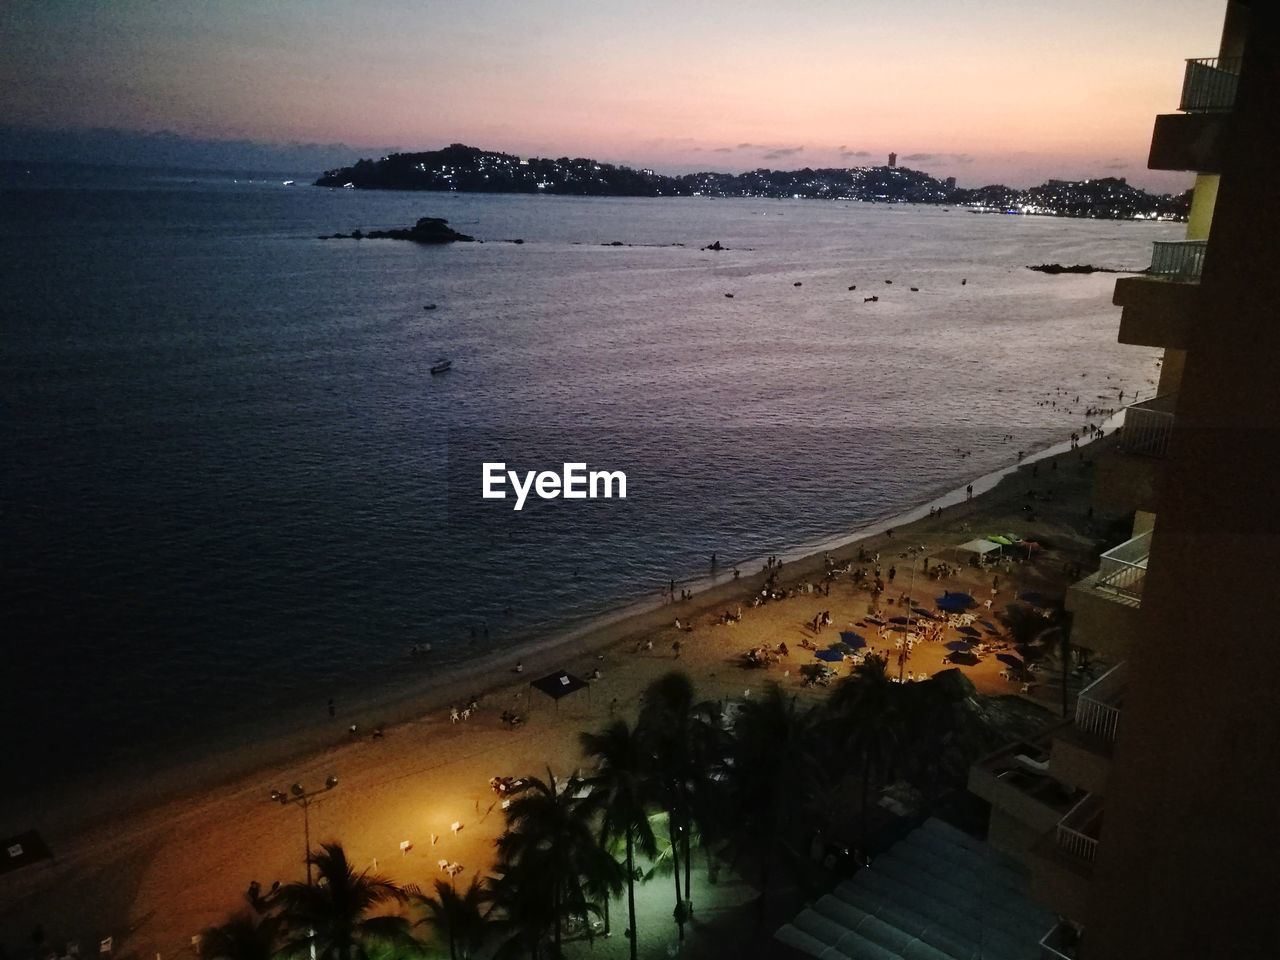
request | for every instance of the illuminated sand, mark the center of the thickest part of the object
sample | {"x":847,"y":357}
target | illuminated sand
{"x":155,"y":876}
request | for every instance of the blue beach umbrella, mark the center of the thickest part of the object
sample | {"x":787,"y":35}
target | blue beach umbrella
{"x":1010,"y":660}
{"x":956,"y":645}
{"x":830,"y":656}
{"x":969,"y":631}
{"x":954,"y":602}
{"x":961,"y":656}
{"x":989,"y":625}
{"x":852,"y":640}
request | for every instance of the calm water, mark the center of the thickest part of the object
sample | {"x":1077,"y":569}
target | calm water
{"x":230,"y":483}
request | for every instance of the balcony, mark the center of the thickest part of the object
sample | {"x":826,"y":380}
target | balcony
{"x":1078,"y":832}
{"x":1148,"y":426}
{"x":1209,"y":85}
{"x":1158,"y":309}
{"x":1192,"y":139}
{"x":1062,"y":942}
{"x":1016,"y":781}
{"x":1098,"y":706}
{"x":1105,"y":604}
{"x":1122,"y":569}
{"x":1180,"y":260}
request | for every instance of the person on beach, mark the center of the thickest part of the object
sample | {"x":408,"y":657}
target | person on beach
{"x":675,"y":648}
{"x":893,"y":572}
{"x":969,"y":492}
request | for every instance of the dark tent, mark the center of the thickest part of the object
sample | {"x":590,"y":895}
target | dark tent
{"x":560,"y":684}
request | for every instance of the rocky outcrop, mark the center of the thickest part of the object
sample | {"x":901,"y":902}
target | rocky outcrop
{"x":426,"y":230}
{"x":1054,"y":268}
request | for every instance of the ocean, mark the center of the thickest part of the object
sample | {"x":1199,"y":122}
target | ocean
{"x":232,"y":488}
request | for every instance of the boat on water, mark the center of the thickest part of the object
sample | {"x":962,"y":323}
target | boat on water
{"x":442,"y":366}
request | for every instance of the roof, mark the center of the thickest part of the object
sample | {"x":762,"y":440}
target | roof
{"x":978,"y":546}
{"x":939,"y":894}
{"x":559,"y":684}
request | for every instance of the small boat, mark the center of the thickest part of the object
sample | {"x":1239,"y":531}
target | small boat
{"x":288,"y":183}
{"x":442,"y":366}
{"x":428,"y":306}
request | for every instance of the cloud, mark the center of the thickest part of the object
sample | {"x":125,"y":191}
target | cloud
{"x":746,"y":146}
{"x":934,"y":158}
{"x":847,"y":153}
{"x":723,"y":150}
{"x":1115,"y":163}
{"x":779,"y":153}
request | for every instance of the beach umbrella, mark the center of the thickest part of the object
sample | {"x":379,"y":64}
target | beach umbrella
{"x":989,"y":625}
{"x":969,"y":630}
{"x":1003,"y":541}
{"x":899,"y":620}
{"x":852,"y":640}
{"x":830,"y":656}
{"x":957,"y":645}
{"x":922,"y":612}
{"x":1036,"y":599}
{"x":1013,"y":538}
{"x":1010,"y":660}
{"x":876,"y":620}
{"x":963,"y":657}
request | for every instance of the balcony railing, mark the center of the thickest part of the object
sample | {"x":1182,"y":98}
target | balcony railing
{"x":1061,"y":942}
{"x":1148,"y":426}
{"x":1098,"y":706}
{"x":1178,"y":259}
{"x":1078,"y":831}
{"x":1122,"y":569}
{"x":1209,"y":85}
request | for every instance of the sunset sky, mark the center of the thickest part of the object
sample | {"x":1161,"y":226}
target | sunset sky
{"x":1003,"y":90}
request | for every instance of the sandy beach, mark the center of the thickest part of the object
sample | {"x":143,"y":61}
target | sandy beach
{"x":150,"y":857}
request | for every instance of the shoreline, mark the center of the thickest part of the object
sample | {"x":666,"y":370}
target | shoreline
{"x":300,"y":738}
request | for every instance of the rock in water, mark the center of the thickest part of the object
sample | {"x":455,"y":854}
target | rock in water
{"x":426,"y":230}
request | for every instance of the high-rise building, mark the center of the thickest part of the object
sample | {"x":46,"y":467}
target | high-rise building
{"x":893,"y":159}
{"x":950,"y":183}
{"x":1149,"y":820}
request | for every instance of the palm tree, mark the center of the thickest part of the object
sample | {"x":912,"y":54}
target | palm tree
{"x":242,"y":938}
{"x":335,"y":914}
{"x":770,"y":769}
{"x":551,"y":861}
{"x":458,"y":919}
{"x":1035,"y":635}
{"x":681,"y":738}
{"x":620,"y":794}
{"x":866,"y":714}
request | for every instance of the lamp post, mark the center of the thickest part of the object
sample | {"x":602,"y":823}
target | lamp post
{"x":904,"y":654}
{"x":302,"y":797}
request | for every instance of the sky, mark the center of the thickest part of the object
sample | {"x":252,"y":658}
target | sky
{"x":1011,"y":91}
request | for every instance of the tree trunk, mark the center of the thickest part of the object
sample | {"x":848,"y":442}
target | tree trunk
{"x":688,"y":895}
{"x":631,"y":891}
{"x":555,"y":899}
{"x":866,"y":789}
{"x":675,"y":866}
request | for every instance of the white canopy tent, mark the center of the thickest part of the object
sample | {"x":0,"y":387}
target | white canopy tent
{"x":980,"y":547}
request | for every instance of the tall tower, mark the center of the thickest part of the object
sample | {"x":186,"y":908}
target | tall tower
{"x":893,"y":159}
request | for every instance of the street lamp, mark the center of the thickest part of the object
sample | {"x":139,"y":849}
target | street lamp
{"x":299,"y":795}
